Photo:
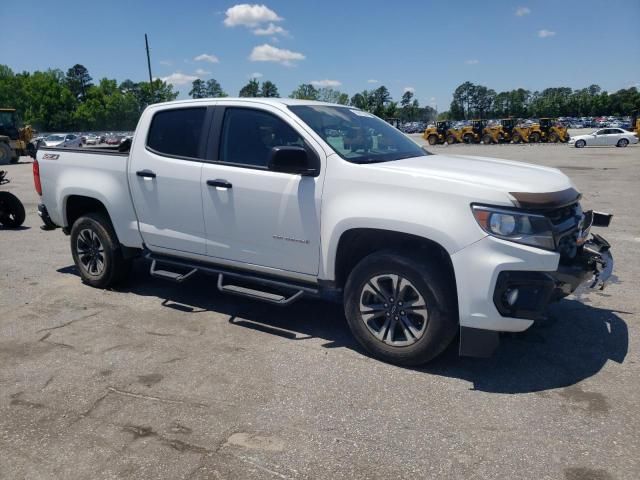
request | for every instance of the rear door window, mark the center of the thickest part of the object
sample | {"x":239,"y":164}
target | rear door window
{"x":177,"y":132}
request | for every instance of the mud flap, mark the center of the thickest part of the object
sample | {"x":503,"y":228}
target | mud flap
{"x":476,"y":342}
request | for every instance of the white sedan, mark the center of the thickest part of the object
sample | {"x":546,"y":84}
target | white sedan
{"x":605,"y":136}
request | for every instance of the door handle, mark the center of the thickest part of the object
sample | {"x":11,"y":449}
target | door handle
{"x":219,"y":183}
{"x":146,"y":174}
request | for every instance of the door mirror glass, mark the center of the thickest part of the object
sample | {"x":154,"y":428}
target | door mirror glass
{"x":293,"y":160}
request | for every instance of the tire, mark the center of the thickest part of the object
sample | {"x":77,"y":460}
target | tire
{"x":553,"y":137}
{"x":487,"y":139}
{"x":432,"y":139}
{"x":623,"y":142}
{"x":534,"y":137}
{"x":391,"y":340}
{"x":97,"y":253}
{"x":451,"y":139}
{"x":468,"y":138}
{"x":581,"y":144}
{"x":11,"y":210}
{"x":6,"y":155}
{"x":516,"y":138}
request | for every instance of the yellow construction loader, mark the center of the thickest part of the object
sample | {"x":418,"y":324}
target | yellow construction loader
{"x":635,"y":122}
{"x":551,"y":131}
{"x":473,"y":133}
{"x":441,"y":133}
{"x":14,"y":140}
{"x":508,"y":131}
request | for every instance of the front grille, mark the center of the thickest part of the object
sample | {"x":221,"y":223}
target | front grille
{"x":566,"y":223}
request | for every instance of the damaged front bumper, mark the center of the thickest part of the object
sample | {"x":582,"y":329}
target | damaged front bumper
{"x":521,"y":295}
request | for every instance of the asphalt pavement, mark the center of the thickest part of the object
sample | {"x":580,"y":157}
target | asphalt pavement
{"x":158,"y":380}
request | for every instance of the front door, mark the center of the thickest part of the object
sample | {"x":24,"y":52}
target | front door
{"x":254,"y":215}
{"x":600,"y":137}
{"x":164,"y":177}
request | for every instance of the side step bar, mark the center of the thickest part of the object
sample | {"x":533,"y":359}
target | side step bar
{"x":167,"y":275}
{"x":255,"y":293}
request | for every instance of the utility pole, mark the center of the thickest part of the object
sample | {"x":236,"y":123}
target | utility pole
{"x":146,"y":43}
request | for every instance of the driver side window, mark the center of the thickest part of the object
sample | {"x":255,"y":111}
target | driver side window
{"x":248,"y":135}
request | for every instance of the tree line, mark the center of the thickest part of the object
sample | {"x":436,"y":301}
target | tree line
{"x":378,"y":101}
{"x":52,"y":100}
{"x":478,"y":101}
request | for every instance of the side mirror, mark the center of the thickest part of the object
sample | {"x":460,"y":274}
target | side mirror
{"x":294,"y":160}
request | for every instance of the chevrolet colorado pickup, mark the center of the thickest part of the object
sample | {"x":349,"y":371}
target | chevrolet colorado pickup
{"x":282,"y":199}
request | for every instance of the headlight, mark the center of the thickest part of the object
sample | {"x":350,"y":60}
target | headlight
{"x":515,"y":226}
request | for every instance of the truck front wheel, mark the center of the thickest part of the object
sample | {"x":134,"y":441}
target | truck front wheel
{"x":401,"y":309}
{"x":97,"y":253}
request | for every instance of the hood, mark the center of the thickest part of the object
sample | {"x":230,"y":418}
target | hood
{"x":501,"y":175}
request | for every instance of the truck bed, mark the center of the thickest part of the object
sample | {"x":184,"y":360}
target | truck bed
{"x":70,"y":174}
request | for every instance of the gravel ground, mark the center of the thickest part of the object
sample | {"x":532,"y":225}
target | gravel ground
{"x":177,"y":381}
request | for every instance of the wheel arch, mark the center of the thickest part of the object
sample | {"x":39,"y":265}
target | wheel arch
{"x":76,"y":206}
{"x":357,"y":243}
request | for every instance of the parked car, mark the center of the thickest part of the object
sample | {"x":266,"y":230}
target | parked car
{"x":576,"y":125}
{"x":282,"y":199}
{"x":114,"y":140}
{"x":604,"y":136}
{"x":91,"y":140}
{"x":56,"y":139}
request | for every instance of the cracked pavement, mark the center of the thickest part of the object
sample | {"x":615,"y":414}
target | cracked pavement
{"x":158,"y":380}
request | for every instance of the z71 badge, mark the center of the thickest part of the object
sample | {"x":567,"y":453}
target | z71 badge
{"x":50,"y":156}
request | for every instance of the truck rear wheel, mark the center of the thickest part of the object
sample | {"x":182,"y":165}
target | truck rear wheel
{"x":401,"y":309}
{"x":487,"y":139}
{"x":433,"y":139}
{"x":97,"y":252}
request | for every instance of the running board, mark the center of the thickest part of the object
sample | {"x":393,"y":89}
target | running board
{"x":260,"y":291}
{"x":257,"y":294}
{"x":168,"y":275}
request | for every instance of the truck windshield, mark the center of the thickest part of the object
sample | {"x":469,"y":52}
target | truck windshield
{"x":357,"y":136}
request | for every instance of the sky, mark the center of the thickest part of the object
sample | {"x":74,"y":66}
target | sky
{"x":351,"y":45}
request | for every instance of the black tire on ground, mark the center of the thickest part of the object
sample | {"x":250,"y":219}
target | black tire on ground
{"x":468,"y":138}
{"x":435,"y":292}
{"x":5,"y":154}
{"x":97,"y":252}
{"x":623,"y":142}
{"x":433,"y":139}
{"x":581,"y":144}
{"x":553,"y":137}
{"x":487,"y":139}
{"x":534,"y":137}
{"x":11,"y":210}
{"x":516,"y":138}
{"x":451,"y":139}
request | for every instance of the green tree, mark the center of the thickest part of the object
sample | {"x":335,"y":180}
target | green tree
{"x":269,"y":89}
{"x":198,"y":89}
{"x":251,"y":89}
{"x":330,"y":95}
{"x":213,"y":89}
{"x":78,"y":80}
{"x":305,"y":91}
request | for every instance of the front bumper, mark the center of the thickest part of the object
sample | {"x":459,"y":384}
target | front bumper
{"x":488,"y":271}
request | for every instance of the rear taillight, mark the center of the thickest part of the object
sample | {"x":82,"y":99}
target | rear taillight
{"x":36,"y":177}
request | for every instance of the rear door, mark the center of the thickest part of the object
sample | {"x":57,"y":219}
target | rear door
{"x":164,"y":177}
{"x":613,"y":135}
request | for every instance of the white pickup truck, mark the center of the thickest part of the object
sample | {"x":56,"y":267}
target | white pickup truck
{"x":282,"y":199}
